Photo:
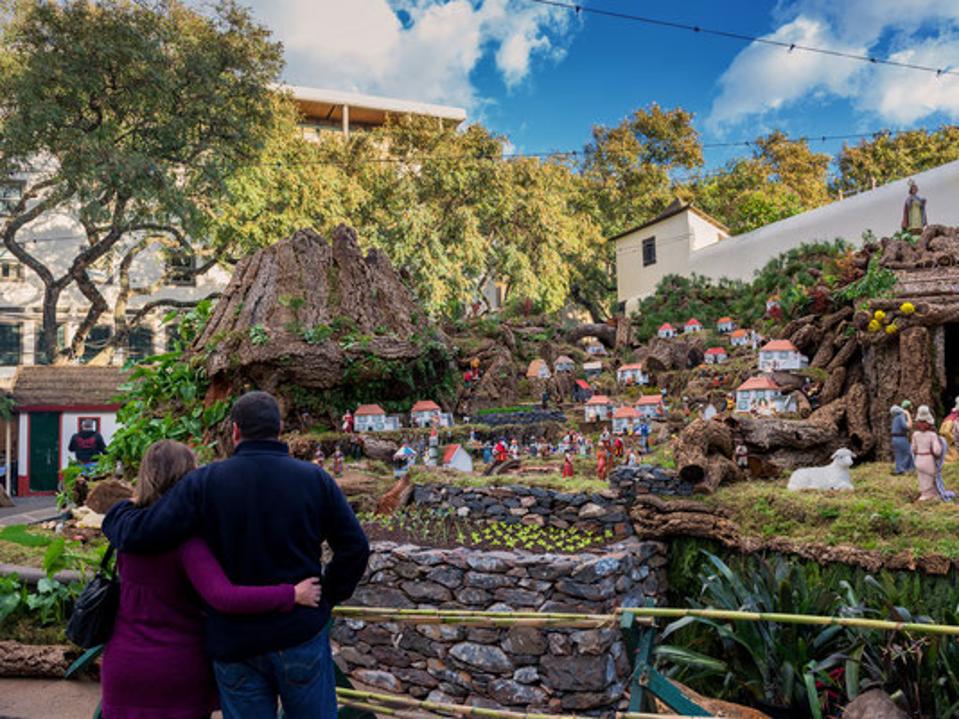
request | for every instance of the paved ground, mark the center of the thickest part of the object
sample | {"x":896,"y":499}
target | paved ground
{"x":27,"y":510}
{"x":47,"y":698}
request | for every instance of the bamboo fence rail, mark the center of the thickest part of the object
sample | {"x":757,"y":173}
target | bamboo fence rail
{"x":389,"y":703}
{"x":481,"y":619}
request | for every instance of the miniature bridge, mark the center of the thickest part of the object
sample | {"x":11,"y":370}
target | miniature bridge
{"x":637,"y":624}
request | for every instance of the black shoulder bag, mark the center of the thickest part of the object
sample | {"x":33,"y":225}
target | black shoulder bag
{"x":95,"y":610}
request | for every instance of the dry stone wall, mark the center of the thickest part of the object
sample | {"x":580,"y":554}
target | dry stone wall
{"x":529,"y":668}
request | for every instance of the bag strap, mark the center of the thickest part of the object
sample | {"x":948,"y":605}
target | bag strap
{"x":107,"y":556}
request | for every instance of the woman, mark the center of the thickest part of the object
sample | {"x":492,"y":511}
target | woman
{"x":927,"y":449}
{"x":901,"y":423}
{"x":154,"y":666}
{"x":568,"y":465}
{"x":949,"y":430}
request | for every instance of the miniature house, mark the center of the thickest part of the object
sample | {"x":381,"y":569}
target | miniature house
{"x":651,"y":406}
{"x":51,"y":404}
{"x":564,"y":364}
{"x":582,"y":391}
{"x":596,"y":349}
{"x":625,"y":420}
{"x":427,"y":414}
{"x":455,"y":457}
{"x":781,"y":355}
{"x":725,"y":325}
{"x":715,"y":355}
{"x":761,"y":393}
{"x":372,"y":418}
{"x":593,"y":369}
{"x":693,"y":325}
{"x":772,"y":305}
{"x":598,"y":408}
{"x":538,"y":369}
{"x":630,"y":374}
{"x":739,"y":338}
{"x":666,"y":331}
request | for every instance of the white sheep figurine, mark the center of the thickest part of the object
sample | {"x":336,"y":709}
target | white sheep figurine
{"x":832,"y":476}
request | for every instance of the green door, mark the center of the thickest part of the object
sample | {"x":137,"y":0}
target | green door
{"x":44,"y":451}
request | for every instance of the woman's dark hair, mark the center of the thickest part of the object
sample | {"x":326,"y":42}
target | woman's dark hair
{"x":257,"y":414}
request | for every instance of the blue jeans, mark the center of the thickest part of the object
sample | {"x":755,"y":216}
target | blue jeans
{"x":301,"y":676}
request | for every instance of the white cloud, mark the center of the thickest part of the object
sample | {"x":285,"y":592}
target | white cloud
{"x":763,"y":79}
{"x":415,"y":49}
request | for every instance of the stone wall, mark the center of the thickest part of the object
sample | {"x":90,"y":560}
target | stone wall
{"x":528,"y":668}
{"x":533,"y":416}
{"x":516,"y":504}
{"x":627,"y":482}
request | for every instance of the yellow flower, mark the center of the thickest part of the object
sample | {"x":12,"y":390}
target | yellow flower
{"x":891,"y":329}
{"x":907,"y":308}
{"x":873,"y":326}
{"x":879,"y":315}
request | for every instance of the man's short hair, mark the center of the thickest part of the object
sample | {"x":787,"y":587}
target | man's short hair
{"x":257,"y":414}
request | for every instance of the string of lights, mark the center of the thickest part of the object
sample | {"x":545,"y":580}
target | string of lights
{"x":744,"y":37}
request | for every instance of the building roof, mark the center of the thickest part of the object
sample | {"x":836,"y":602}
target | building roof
{"x":648,"y":399}
{"x":593,"y":365}
{"x":425,"y":405}
{"x":693,"y":322}
{"x":535,"y":367}
{"x":327,"y":105}
{"x":599,"y":399}
{"x":368,"y":409}
{"x":563,"y":359}
{"x":758,"y":382}
{"x":675,"y":207}
{"x":778,"y":346}
{"x":625,"y":413}
{"x":449,"y":451}
{"x":634,"y":365}
{"x":67,"y":385}
{"x":738,"y":333}
{"x":715,"y":351}
{"x":724,"y":320}
{"x":666,"y":326}
{"x":583,"y":384}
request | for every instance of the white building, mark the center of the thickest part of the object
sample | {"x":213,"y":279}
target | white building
{"x":762,"y":394}
{"x":427,"y":413}
{"x":781,"y":355}
{"x":596,"y":349}
{"x":739,"y":338}
{"x":630,"y":374}
{"x":593,"y":369}
{"x":684,"y":240}
{"x":625,"y":420}
{"x":666,"y":331}
{"x":651,"y":406}
{"x":372,"y":418}
{"x":455,"y":457}
{"x":564,"y":364}
{"x":715,"y":355}
{"x":692,"y":325}
{"x":725,"y":325}
{"x":538,"y":369}
{"x":598,"y":408}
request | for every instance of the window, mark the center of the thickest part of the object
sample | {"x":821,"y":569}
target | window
{"x":140,"y":343}
{"x":10,"y":271}
{"x":180,"y":268}
{"x":39,"y":356}
{"x":9,"y":344}
{"x":649,"y":251}
{"x":10,"y":193}
{"x":96,"y":340}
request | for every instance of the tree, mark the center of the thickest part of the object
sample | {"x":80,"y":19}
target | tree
{"x":129,"y":116}
{"x":887,"y":157}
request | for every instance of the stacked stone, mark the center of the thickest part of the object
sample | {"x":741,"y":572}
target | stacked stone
{"x":539,"y":669}
{"x":535,"y":416}
{"x":518,"y":504}
{"x":627,"y":482}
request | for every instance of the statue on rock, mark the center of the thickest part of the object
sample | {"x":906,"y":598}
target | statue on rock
{"x":914,"y":211}
{"x":832,"y":476}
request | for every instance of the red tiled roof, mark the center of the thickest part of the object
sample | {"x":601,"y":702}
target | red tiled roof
{"x":648,"y":399}
{"x":665,"y":326}
{"x":368,"y":409}
{"x":715,"y":351}
{"x":564,"y":359}
{"x":693,"y":322}
{"x":583,"y":384}
{"x":778,"y":346}
{"x":425,"y":405}
{"x":625,"y":413}
{"x":634,"y":365}
{"x":760,"y":382}
{"x":738,"y":333}
{"x":449,"y":451}
{"x":723,"y":320}
{"x":599,"y":399}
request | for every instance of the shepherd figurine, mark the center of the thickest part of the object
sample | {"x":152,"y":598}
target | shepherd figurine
{"x":914,"y":211}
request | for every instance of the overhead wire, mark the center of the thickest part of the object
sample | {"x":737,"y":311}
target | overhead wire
{"x":745,"y":37}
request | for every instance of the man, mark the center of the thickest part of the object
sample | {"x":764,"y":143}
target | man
{"x":87,"y":444}
{"x":265,"y":515}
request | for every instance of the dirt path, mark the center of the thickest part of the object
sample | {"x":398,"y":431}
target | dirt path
{"x":47,"y":698}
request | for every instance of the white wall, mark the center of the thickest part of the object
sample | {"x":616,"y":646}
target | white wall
{"x":878,"y":210}
{"x":673,"y":236}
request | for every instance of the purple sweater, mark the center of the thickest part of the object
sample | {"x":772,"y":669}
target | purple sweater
{"x":154,"y":666}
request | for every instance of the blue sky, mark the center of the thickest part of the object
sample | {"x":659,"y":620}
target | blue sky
{"x":544,"y":76}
